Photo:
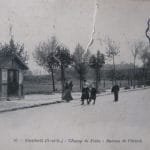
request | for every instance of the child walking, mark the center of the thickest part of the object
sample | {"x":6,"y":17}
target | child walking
{"x":93,"y":94}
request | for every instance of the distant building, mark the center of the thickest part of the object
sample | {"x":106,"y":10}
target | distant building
{"x":11,"y":76}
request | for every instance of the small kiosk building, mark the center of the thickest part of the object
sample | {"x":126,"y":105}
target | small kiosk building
{"x":11,"y":76}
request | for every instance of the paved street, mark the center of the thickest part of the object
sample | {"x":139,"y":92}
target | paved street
{"x":107,"y":125}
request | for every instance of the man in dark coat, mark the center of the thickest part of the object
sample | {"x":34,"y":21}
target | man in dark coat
{"x":115,"y":90}
{"x":85,"y":93}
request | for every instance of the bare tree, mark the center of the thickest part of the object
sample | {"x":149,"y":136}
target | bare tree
{"x":65,"y":59}
{"x":136,"y":48}
{"x":96,"y":62}
{"x":112,"y":50}
{"x":144,"y":56}
{"x":45,"y":56}
{"x":79,"y":63}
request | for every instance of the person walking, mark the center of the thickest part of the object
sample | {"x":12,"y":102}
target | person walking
{"x":93,"y":94}
{"x":67,"y":93}
{"x":85,"y":93}
{"x":115,"y":89}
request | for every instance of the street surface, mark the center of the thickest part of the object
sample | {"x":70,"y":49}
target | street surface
{"x":124,"y":125}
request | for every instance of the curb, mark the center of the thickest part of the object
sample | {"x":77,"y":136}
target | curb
{"x":31,"y":106}
{"x":57,"y":102}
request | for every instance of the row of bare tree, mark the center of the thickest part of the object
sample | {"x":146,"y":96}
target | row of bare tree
{"x":53,"y":56}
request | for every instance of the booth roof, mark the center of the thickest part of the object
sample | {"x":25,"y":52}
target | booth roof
{"x":5,"y":61}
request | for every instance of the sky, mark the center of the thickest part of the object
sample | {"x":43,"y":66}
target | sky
{"x":72,"y":21}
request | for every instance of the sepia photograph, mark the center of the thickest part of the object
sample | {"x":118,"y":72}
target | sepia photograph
{"x":74,"y":75}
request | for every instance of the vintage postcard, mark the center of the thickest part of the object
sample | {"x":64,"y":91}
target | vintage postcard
{"x":74,"y":74}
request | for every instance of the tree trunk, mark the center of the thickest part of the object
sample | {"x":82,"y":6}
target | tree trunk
{"x":99,"y":77}
{"x":131,"y":82}
{"x":80,"y":82}
{"x":144,"y":75}
{"x":97,"y":80}
{"x":114,"y":73}
{"x":128,"y":78}
{"x":134,"y":74}
{"x":53,"y":80}
{"x":62,"y":78}
{"x":104,"y":84}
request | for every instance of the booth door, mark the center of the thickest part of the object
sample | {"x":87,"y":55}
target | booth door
{"x":13,"y":82}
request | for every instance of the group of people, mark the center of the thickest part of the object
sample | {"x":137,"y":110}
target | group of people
{"x":88,"y":92}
